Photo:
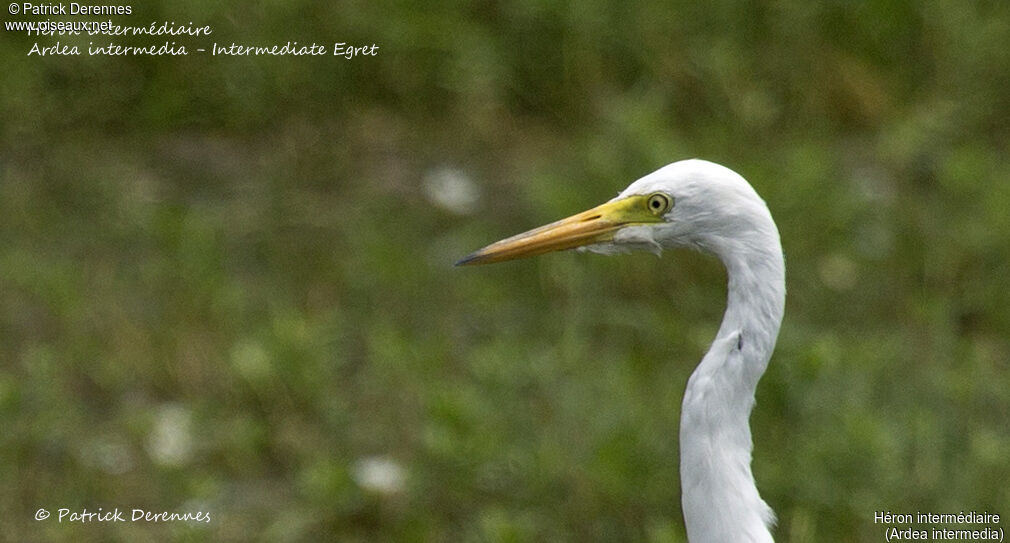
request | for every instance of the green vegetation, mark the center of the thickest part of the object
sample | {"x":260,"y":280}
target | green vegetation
{"x":226,"y":283}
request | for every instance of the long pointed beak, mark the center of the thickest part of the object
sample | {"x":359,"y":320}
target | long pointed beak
{"x":596,"y":225}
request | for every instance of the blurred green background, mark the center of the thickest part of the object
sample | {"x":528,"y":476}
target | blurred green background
{"x":226,"y":284}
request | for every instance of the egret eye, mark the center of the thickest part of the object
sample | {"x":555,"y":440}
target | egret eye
{"x":659,"y":203}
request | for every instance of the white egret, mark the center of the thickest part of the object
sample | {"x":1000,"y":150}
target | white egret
{"x":705,"y":206}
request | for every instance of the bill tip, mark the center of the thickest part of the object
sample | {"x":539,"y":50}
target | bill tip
{"x":468,"y":259}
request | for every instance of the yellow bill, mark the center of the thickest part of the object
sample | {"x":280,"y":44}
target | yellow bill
{"x":596,"y":225}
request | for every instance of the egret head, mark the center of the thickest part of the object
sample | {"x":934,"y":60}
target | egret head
{"x":691,"y":203}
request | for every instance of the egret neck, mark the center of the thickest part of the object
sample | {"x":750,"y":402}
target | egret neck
{"x":720,"y":499}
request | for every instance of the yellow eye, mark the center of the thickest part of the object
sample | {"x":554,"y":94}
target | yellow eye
{"x":659,"y":203}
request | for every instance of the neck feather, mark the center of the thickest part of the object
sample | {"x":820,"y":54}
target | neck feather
{"x":720,"y":499}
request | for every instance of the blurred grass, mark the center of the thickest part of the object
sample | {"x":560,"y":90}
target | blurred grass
{"x":227,"y":285}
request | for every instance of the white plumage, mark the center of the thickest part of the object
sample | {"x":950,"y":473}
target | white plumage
{"x":705,"y":206}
